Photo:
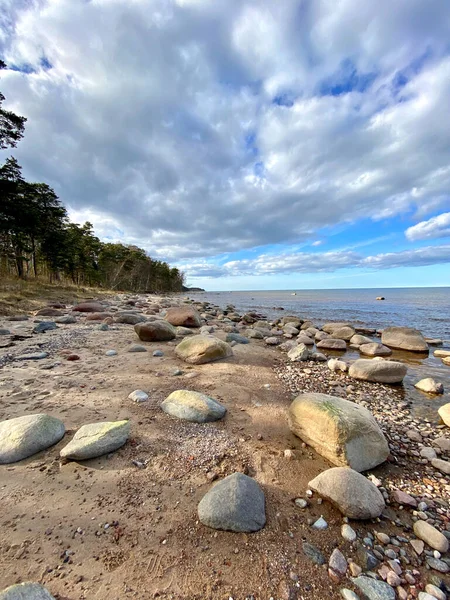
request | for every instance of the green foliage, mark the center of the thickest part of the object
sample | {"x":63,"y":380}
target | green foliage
{"x":36,"y":237}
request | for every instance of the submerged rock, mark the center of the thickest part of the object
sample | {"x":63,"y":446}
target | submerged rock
{"x":343,"y":432}
{"x":430,"y":386}
{"x":236,"y":503}
{"x":24,"y":436}
{"x":375,"y":349}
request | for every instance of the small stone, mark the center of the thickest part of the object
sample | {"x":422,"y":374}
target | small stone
{"x":348,"y":594}
{"x":426,"y":596}
{"x":431,"y":536}
{"x":137,"y":348}
{"x":320,"y":524}
{"x":158,"y":353}
{"x":348,"y":533}
{"x":374,"y":589}
{"x":442,"y":465}
{"x":403,"y":498}
{"x":289,"y":454}
{"x":138,"y":396}
{"x":28,"y":591}
{"x":313,"y":554}
{"x":111,"y":353}
{"x":430,"y":386}
{"x":382,"y":537}
{"x":338,"y":562}
{"x":435,"y":592}
{"x":355,"y":569}
{"x":428,"y":453}
{"x":393,"y":579}
{"x":301,"y":502}
{"x":438,"y":565}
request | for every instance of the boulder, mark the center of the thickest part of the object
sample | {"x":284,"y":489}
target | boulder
{"x":321,"y":335}
{"x":193,"y":406}
{"x":358,"y":339}
{"x":236,"y":337}
{"x":44,"y":326}
{"x":298,"y":353}
{"x":236,"y":503}
{"x":446,"y":361}
{"x":98,"y":316}
{"x":441,"y":353}
{"x":89,"y":307}
{"x":129,"y":318}
{"x":26,"y":591}
{"x":305,"y":339}
{"x":343,"y":432}
{"x":334,"y":364}
{"x":330,"y":327}
{"x":48,"y":312}
{"x":343,"y":333}
{"x":66,"y":320}
{"x":352,"y":493}
{"x":404,"y":338}
{"x":24,"y":436}
{"x":380,"y":371}
{"x":332,"y":344}
{"x":431,"y":536}
{"x":155,"y":331}
{"x":430,"y":386}
{"x":444,"y":413}
{"x":185,"y":316}
{"x":199,"y":349}
{"x":375,"y":349}
{"x":96,"y":439}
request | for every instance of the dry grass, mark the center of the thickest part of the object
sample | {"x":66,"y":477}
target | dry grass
{"x":18,"y":296}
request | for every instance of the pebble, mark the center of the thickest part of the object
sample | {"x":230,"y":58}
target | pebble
{"x":137,"y":348}
{"x":438,"y":565}
{"x":111,"y":353}
{"x":313,"y":553}
{"x":348,"y":594}
{"x":320,"y":524}
{"x":435,"y":592}
{"x":382,"y":537}
{"x":301,"y":502}
{"x":138,"y":396}
{"x":348,"y":533}
{"x":338,"y":562}
{"x":158,"y":353}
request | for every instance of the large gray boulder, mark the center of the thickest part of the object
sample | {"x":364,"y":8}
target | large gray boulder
{"x":298,"y":353}
{"x":236,"y":503}
{"x":193,"y":406}
{"x":130,"y":318}
{"x":343,"y":432}
{"x":89,"y":307}
{"x":343,"y":333}
{"x":352,"y":493}
{"x":25,"y":436}
{"x":185,"y":316}
{"x":358,"y":340}
{"x":332,"y":344}
{"x":96,"y":439}
{"x":26,"y":591}
{"x":199,"y":349}
{"x":379,"y":371}
{"x":404,"y":338}
{"x":330,"y":327}
{"x":155,"y":331}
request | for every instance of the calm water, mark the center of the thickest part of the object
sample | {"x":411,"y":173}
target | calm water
{"x":426,"y":309}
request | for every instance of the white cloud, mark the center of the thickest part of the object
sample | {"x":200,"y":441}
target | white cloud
{"x":158,"y":118}
{"x":436,"y":227}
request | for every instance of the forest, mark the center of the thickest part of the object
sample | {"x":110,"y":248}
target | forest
{"x":38,"y":240}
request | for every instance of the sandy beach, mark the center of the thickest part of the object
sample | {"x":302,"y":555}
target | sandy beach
{"x":125,"y":525}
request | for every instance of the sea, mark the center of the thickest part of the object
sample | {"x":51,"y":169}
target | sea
{"x":426,"y":309}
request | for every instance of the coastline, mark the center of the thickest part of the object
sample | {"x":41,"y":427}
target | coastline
{"x":154,"y":544}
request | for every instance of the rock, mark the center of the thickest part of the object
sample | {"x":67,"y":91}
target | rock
{"x":89,"y":307}
{"x":373,"y":588}
{"x":330,"y":327}
{"x":430,"y":386}
{"x":441,"y":465}
{"x":437,"y":565}
{"x":26,"y":591}
{"x":155,"y":331}
{"x":348,"y":594}
{"x":403,"y":498}
{"x":321,"y":335}
{"x":318,"y":357}
{"x":320,"y":524}
{"x":428,"y":453}
{"x":301,"y":502}
{"x":343,"y":333}
{"x":184,"y":331}
{"x":5,"y":332}
{"x":404,"y":338}
{"x":193,"y":406}
{"x":366,"y":559}
{"x":353,"y":494}
{"x":44,"y":326}
{"x":341,"y":431}
{"x":379,"y":371}
{"x":48,"y":312}
{"x":418,"y":546}
{"x":129,"y":318}
{"x":348,"y":533}
{"x":35,"y":356}
{"x":304,"y":339}
{"x":138,"y":396}
{"x":186,"y":316}
{"x":137,"y":348}
{"x":96,"y":439}
{"x":98,"y":316}
{"x":158,"y":353}
{"x":234,"y":504}
{"x":382,"y":537}
{"x":444,"y":413}
{"x":290,"y":330}
{"x":431,"y":536}
{"x":253,"y":333}
{"x":66,"y":320}
{"x":435,"y":592}
{"x":446,"y":361}
{"x":236,"y":337}
{"x":102,"y":327}
{"x":332,"y":344}
{"x":338,"y":562}
{"x":200,"y":349}
{"x":272,"y":341}
{"x":375,"y":349}
{"x":24,"y":436}
{"x":441,"y":353}
{"x":359,"y":340}
{"x":298,"y":353}
{"x":111,"y":353}
{"x":313,"y":554}
{"x":443,"y":443}
{"x":334,"y":364}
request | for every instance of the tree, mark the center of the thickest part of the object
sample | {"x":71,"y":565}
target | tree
{"x":12,"y":126}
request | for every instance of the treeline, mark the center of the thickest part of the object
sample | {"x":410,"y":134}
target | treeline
{"x":37,"y":238}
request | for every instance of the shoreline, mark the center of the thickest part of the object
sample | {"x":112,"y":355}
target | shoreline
{"x":158,"y":542}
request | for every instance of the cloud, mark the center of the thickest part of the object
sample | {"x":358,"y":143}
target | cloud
{"x":325,"y":262}
{"x":436,"y":227}
{"x":196,"y":128}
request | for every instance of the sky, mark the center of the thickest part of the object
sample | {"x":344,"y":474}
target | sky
{"x":253,"y":144}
